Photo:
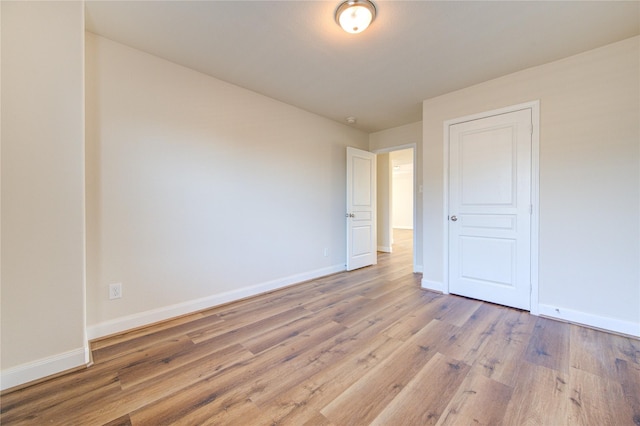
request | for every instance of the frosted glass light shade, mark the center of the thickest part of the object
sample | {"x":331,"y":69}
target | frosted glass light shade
{"x":354,"y":16}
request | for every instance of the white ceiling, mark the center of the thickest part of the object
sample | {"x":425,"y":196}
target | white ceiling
{"x":294,"y":51}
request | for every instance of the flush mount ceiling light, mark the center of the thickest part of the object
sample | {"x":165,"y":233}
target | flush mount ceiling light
{"x":354,"y":16}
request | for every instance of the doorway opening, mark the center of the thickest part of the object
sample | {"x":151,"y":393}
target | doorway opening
{"x":396,"y":207}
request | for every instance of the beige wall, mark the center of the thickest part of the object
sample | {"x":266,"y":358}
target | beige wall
{"x":42,"y":189}
{"x":589,"y":179}
{"x":402,"y":195}
{"x":397,"y":138}
{"x":384,"y":200}
{"x":199,"y":192}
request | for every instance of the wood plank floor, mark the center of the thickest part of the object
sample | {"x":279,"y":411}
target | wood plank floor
{"x":366,"y":347}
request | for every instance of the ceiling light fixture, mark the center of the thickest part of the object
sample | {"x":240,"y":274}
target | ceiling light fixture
{"x":354,"y":16}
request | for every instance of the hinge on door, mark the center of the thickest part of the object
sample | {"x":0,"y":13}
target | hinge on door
{"x":530,"y":209}
{"x":531,"y":129}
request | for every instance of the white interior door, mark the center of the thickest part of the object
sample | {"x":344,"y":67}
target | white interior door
{"x":361,"y":209}
{"x":490,"y":208}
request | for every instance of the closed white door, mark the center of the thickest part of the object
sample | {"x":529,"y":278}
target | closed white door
{"x":490,"y":208}
{"x":361,"y":208}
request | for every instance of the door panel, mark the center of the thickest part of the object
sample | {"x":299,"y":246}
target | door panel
{"x":478,"y":252}
{"x":489,"y":208}
{"x":487,"y":168}
{"x":361,"y":207}
{"x":361,"y":240}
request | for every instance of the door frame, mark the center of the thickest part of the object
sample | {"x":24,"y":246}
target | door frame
{"x":535,"y":191}
{"x":414,"y":147}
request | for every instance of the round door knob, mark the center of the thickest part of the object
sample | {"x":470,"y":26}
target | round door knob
{"x":454,"y":218}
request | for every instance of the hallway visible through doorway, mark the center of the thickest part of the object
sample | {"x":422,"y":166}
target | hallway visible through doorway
{"x":396,"y":202}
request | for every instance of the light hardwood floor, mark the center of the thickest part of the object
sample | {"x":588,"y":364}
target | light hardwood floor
{"x":366,"y":347}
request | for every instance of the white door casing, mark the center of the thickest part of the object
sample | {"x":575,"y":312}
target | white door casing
{"x":490,"y":208}
{"x":361,"y":209}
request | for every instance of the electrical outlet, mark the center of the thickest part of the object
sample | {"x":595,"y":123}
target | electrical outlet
{"x":115,"y":291}
{"x":326,"y":252}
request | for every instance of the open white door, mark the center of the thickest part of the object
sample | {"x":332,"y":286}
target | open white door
{"x":361,"y":209}
{"x":490,"y":208}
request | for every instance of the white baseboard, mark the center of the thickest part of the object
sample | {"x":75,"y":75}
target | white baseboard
{"x":34,"y":370}
{"x":129,"y":322}
{"x":432,"y":285}
{"x":385,"y":249}
{"x":577,"y":317}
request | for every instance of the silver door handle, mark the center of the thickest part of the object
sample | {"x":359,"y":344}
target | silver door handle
{"x":454,"y":218}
